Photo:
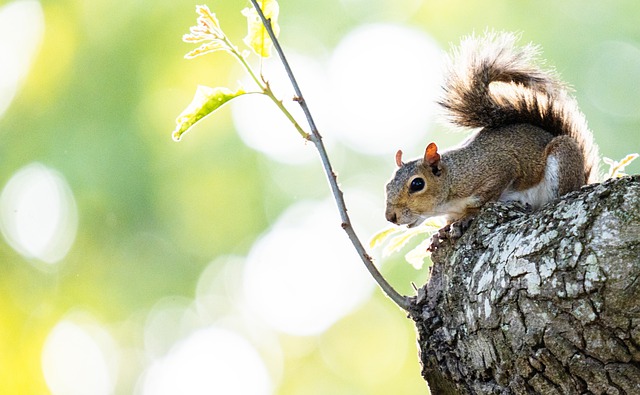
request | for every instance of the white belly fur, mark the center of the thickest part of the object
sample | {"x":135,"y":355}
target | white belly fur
{"x":536,"y":196}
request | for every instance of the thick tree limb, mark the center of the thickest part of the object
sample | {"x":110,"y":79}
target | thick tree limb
{"x":546,"y":303}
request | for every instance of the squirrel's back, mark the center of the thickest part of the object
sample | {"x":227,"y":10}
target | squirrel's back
{"x":490,"y":83}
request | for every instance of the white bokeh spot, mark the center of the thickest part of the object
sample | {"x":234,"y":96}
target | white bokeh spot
{"x":38,"y":214}
{"x":209,"y":361}
{"x":384,"y":81}
{"x":77,"y":358}
{"x":263,"y":127}
{"x":378,"y":95}
{"x":21,"y":31}
{"x":303,"y":275}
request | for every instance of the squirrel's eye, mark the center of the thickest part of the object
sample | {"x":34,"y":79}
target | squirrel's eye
{"x":417,"y":184}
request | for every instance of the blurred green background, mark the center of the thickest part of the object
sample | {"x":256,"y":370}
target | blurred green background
{"x":133,"y":264}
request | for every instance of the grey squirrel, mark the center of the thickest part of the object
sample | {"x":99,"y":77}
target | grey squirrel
{"x":533,"y":144}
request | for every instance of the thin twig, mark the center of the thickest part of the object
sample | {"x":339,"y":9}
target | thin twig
{"x":263,"y":85}
{"x":315,"y":137}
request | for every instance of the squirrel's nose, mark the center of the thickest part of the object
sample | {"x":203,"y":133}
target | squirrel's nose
{"x":391,"y":216}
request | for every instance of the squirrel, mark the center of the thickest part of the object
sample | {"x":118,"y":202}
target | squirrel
{"x":532,"y":144}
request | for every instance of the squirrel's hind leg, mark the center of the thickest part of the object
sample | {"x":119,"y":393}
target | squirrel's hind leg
{"x":565,"y":165}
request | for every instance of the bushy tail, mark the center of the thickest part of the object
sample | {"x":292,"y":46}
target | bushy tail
{"x":490,"y":82}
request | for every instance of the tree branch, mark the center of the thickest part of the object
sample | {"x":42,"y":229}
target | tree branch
{"x":316,"y":138}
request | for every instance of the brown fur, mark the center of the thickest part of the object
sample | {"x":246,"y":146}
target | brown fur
{"x":534,"y":144}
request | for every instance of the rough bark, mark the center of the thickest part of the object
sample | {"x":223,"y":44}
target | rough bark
{"x":538,"y":303}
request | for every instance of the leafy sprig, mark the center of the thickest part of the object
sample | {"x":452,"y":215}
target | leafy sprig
{"x":209,"y":32}
{"x":616,"y":168}
{"x":261,"y":36}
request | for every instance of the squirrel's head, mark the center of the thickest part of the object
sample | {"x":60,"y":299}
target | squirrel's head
{"x":417,"y":189}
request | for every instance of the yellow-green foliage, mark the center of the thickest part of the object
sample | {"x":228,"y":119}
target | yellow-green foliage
{"x":616,"y":168}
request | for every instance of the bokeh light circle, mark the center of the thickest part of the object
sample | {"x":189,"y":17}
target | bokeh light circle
{"x":21,"y":31}
{"x":78,"y":359}
{"x":38,"y":214}
{"x":263,"y":127}
{"x":163,"y":326}
{"x":303,"y":274}
{"x":209,"y":361}
{"x":384,"y":80}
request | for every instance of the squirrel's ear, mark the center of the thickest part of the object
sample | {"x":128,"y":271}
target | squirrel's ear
{"x":431,"y":155}
{"x":399,"y":158}
{"x":432,"y":158}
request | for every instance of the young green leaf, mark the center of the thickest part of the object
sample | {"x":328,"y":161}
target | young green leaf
{"x":402,"y":236}
{"x":397,"y":242}
{"x":257,"y":37}
{"x":208,"y":29}
{"x":383,"y":235}
{"x":417,"y":255}
{"x":205,"y":101}
{"x":433,"y":224}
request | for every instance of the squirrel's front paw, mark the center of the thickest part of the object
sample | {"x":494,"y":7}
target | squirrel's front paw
{"x":437,"y":238}
{"x":451,"y":232}
{"x":459,"y":227}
